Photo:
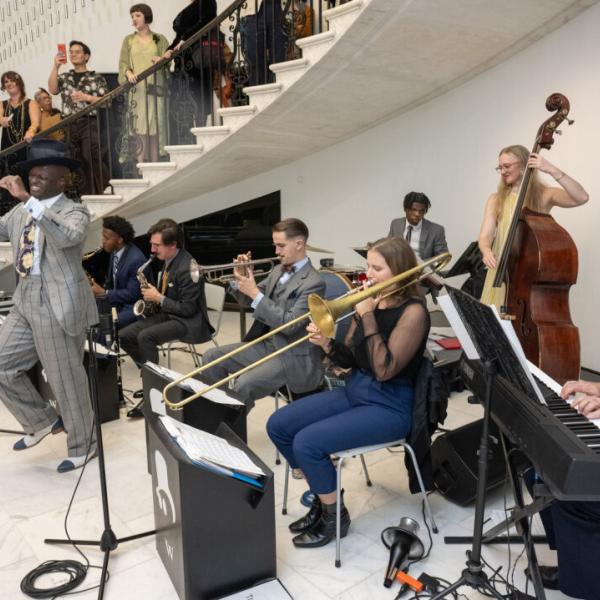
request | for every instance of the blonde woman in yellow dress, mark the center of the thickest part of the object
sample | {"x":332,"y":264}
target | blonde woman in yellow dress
{"x":499,"y":209}
{"x":146,"y":116}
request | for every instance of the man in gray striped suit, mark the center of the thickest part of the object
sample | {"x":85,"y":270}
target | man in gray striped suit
{"x":53,"y":304}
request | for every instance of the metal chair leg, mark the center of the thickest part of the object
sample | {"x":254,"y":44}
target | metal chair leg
{"x":277,"y":459}
{"x":428,"y":510}
{"x":364,"y":465}
{"x":338,"y":514}
{"x":285,"y":488}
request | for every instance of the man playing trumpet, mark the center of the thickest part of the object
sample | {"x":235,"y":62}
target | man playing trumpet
{"x":279,"y":298}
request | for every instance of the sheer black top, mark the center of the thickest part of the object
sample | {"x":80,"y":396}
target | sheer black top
{"x":387,"y":343}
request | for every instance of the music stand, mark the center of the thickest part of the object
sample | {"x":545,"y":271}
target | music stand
{"x":469,"y":262}
{"x":108,"y":542}
{"x":484,"y":337}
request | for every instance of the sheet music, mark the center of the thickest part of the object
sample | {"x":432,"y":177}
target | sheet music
{"x":457,"y":325}
{"x":194,"y":385}
{"x":511,"y":335}
{"x":202,"y":446}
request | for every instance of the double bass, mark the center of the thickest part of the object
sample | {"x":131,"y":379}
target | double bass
{"x":536,"y":268}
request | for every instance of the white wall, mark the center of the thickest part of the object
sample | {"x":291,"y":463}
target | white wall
{"x":448,"y":148}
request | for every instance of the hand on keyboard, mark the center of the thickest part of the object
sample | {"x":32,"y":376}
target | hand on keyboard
{"x":588,"y":388}
{"x":588,"y":406}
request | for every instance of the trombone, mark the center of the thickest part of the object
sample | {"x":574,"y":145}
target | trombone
{"x":324,"y":313}
{"x":218,"y":273}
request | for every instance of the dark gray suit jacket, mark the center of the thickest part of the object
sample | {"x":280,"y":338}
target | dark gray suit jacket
{"x":303,"y":364}
{"x":185,"y":300}
{"x":432,"y":241}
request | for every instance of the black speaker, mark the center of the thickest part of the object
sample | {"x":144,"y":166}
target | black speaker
{"x":454,"y":456}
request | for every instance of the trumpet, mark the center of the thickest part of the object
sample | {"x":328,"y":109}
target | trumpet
{"x":324,"y":313}
{"x":219,"y":274}
{"x":142,"y":308}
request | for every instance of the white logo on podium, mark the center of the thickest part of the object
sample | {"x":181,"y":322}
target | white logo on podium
{"x":163,"y":493}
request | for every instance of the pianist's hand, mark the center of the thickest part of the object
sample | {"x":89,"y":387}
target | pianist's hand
{"x":588,"y":406}
{"x":585,"y":387}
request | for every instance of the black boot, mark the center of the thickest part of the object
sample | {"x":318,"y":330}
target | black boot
{"x":549,"y":576}
{"x":323,"y":531}
{"x":310,"y":518}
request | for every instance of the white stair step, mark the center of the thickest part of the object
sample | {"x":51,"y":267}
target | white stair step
{"x":155,"y":172}
{"x":289,"y":72}
{"x":341,"y":17}
{"x":99,"y":205}
{"x":314,"y":47}
{"x":209,"y":137}
{"x":262,"y":95}
{"x":235,"y":117}
{"x":185,"y":154}
{"x":129,"y":188}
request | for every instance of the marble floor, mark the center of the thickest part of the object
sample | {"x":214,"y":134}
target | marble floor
{"x":34,"y":499}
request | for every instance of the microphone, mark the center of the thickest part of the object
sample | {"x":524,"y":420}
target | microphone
{"x":404,"y":546}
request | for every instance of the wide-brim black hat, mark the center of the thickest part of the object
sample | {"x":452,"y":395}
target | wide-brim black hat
{"x":48,"y":152}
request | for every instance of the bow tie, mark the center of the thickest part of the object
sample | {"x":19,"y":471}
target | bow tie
{"x":288,"y":268}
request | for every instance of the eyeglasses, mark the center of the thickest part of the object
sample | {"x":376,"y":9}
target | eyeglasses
{"x":506,"y":166}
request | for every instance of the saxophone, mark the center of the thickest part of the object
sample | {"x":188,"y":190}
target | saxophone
{"x":142,"y":308}
{"x":87,"y":257}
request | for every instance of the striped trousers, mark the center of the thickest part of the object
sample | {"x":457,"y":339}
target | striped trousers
{"x":30,"y":334}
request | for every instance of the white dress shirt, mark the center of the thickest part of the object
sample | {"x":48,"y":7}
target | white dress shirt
{"x":36,"y":209}
{"x":415,"y":236}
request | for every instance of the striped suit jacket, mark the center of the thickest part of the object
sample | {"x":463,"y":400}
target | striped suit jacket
{"x":62,"y":233}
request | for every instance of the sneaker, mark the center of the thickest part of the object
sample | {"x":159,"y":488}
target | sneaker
{"x":35,"y":438}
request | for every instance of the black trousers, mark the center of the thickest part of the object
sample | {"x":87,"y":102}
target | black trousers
{"x":573,"y":530}
{"x":141,"y":339}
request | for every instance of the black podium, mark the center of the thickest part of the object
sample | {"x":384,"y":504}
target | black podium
{"x":215,"y":534}
{"x":202,"y":414}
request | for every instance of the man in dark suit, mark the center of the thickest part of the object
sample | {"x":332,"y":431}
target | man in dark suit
{"x":276,"y":300}
{"x":121,"y":287}
{"x":427,"y":239}
{"x":179,"y":295}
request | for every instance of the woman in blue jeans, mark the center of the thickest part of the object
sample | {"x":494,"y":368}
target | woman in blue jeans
{"x":384,"y":347}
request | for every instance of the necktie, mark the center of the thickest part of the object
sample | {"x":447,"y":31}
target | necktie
{"x":409,"y":233}
{"x":163,"y":282}
{"x":286,"y":274}
{"x":115,"y":267}
{"x":24,"y":261}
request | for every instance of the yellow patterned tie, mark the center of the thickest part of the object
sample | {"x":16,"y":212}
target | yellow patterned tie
{"x":163,"y":283}
{"x":24,"y":260}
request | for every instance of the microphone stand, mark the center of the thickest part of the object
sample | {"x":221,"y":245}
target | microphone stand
{"x":108,"y":541}
{"x":474,"y":576}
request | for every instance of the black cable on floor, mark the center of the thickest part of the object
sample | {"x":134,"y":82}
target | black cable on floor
{"x":76,"y":570}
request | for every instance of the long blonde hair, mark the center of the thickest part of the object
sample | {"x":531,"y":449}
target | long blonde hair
{"x":534,"y":192}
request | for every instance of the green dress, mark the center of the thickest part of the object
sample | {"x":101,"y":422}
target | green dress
{"x":146,"y":113}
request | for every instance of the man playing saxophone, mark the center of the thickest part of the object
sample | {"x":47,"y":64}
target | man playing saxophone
{"x":121,"y":286}
{"x":182,"y":314}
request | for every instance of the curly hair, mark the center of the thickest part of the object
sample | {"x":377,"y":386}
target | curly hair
{"x":120,"y":226}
